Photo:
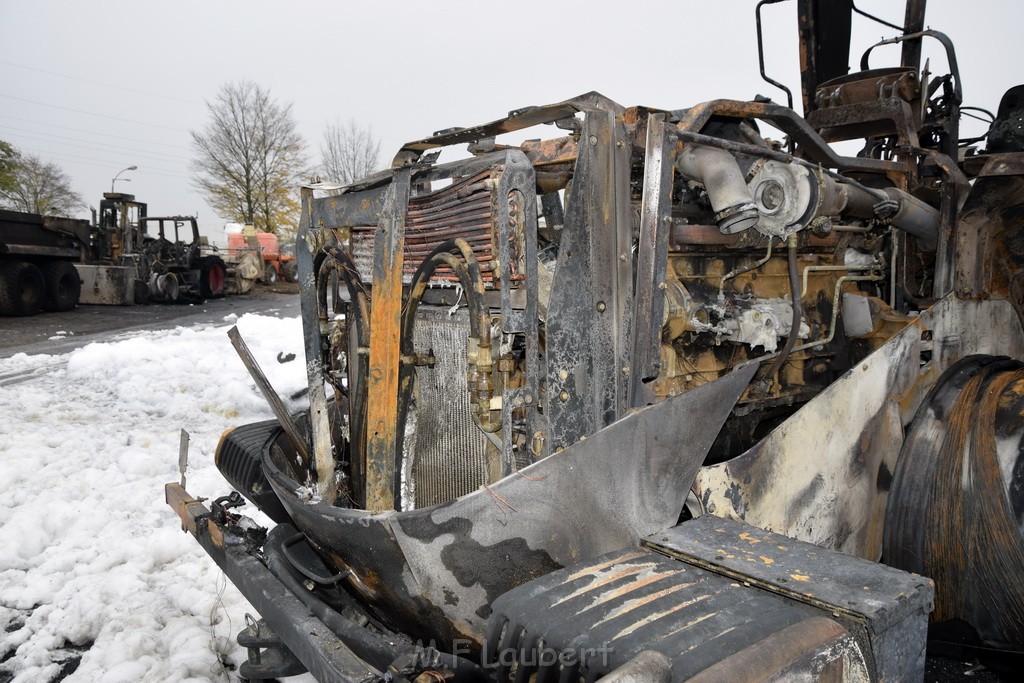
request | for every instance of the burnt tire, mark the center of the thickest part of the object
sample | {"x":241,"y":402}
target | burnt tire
{"x":213,"y":275}
{"x":62,"y":286}
{"x":270,"y":274}
{"x":22,"y":288}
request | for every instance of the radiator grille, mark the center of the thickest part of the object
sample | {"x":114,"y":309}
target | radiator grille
{"x":450,"y":451}
{"x":463,"y":209}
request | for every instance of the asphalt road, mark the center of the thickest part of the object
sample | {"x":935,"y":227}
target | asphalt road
{"x":53,"y":333}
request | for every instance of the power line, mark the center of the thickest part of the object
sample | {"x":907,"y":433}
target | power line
{"x":138,"y":152}
{"x":106,"y":85}
{"x":107,"y":163}
{"x":90,"y":132}
{"x":91,"y":113}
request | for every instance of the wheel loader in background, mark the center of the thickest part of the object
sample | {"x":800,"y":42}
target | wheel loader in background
{"x":671,"y":395}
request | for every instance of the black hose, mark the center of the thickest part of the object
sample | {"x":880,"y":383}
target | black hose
{"x":342,"y":264}
{"x":376,"y":649}
{"x":794,"y":327}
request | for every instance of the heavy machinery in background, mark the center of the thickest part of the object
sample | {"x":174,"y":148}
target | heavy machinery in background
{"x":278,"y":258}
{"x":37,"y":262}
{"x":675,"y":394}
{"x":136,"y":258}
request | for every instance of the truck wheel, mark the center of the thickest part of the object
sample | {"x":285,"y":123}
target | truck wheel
{"x":961,"y":470}
{"x":62,"y":286}
{"x":270,"y":274}
{"x":212,"y":277}
{"x":291,"y":271}
{"x":21,"y":288}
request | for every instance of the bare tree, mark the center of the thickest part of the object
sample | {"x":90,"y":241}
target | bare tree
{"x":38,"y":186}
{"x":348,"y":152}
{"x":250,"y":157}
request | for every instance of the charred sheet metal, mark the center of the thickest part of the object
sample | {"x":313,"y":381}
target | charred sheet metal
{"x":309,"y":243}
{"x":595,"y":619}
{"x":885,"y":609}
{"x":109,"y":285}
{"x":813,"y":462}
{"x":436,"y":570}
{"x":586,"y":377}
{"x":649,"y":303}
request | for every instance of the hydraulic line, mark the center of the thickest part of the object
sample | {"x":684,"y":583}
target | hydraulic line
{"x":479,"y":376}
{"x":340,"y":263}
{"x":794,"y":328}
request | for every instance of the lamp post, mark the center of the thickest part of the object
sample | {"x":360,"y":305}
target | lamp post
{"x":117,"y":177}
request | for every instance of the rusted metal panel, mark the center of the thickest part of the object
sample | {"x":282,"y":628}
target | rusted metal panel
{"x":185,"y":506}
{"x":382,"y":438}
{"x":553,"y":151}
{"x":812,"y":464}
{"x":885,"y":609}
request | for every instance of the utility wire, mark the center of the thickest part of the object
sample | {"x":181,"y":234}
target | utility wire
{"x":91,"y":113}
{"x":106,"y":85}
{"x":90,"y":132}
{"x":76,"y":142}
{"x":170,"y":173}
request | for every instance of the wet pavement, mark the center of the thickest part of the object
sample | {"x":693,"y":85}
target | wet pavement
{"x":53,"y":333}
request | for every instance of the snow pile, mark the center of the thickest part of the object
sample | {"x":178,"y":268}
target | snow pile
{"x":93,"y":565}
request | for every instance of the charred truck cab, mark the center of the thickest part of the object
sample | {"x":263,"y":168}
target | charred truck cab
{"x":658,"y":398}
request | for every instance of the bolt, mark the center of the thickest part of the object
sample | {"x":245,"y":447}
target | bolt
{"x":772,"y":195}
{"x":593,"y":139}
{"x":662,"y":285}
{"x":563,"y":375}
{"x":601,"y":307}
{"x":564,"y":395}
{"x":528,"y":399}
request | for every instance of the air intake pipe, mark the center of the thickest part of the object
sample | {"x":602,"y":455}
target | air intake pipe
{"x":718,"y":172}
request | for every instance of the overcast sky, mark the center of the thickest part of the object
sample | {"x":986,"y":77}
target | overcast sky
{"x":99,"y":86}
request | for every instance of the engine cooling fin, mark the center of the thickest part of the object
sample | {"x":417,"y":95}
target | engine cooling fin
{"x":449,"y":457}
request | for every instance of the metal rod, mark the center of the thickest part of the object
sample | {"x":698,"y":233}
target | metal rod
{"x":760,"y":52}
{"x":273,"y":399}
{"x":739,"y":271}
{"x":803,"y":289}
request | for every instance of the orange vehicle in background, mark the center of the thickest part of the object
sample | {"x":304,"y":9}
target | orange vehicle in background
{"x":278,"y":259}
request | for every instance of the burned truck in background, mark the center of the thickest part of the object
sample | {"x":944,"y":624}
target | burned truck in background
{"x":652,"y":399}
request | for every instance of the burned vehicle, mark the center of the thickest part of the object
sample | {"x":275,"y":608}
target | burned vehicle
{"x":670,"y":395}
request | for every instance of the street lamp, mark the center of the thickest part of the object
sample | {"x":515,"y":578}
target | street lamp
{"x":117,"y":177}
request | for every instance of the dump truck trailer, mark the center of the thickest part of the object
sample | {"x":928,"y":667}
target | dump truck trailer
{"x":673,"y":394}
{"x":37,"y":262}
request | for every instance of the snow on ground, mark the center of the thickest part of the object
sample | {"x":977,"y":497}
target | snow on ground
{"x":93,"y":564}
